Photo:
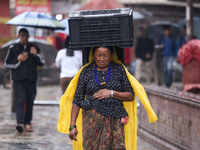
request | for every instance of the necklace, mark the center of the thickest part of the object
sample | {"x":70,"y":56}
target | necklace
{"x":107,"y":78}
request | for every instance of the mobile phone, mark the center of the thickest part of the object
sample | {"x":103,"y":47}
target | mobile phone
{"x":25,"y":53}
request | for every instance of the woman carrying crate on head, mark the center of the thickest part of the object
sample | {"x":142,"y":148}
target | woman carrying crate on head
{"x":99,"y":109}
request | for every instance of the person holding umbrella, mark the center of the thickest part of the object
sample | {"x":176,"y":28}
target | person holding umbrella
{"x":23,"y":58}
{"x":144,"y":52}
{"x":183,"y":38}
{"x":170,"y":49}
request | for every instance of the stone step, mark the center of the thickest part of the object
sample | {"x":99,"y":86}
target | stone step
{"x":46,"y":103}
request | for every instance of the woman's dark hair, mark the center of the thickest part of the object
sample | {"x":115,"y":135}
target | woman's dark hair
{"x":66,"y":45}
{"x":108,"y":47}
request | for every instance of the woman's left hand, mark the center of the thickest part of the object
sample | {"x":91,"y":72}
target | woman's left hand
{"x":102,"y":94}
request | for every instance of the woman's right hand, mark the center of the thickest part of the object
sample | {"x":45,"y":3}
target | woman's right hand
{"x":73,"y":134}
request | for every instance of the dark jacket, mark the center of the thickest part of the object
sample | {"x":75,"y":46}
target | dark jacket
{"x":24,"y":70}
{"x":144,"y":46}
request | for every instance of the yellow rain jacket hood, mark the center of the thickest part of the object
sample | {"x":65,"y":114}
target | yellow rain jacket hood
{"x":131,"y":108}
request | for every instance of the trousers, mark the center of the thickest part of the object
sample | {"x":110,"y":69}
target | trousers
{"x":25,"y":92}
{"x":168,"y":69}
{"x":64,"y":82}
{"x":143,"y":65}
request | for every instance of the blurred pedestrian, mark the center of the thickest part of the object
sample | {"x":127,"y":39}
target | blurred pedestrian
{"x":23,"y":58}
{"x":183,"y":38}
{"x":170,"y":49}
{"x":70,"y":62}
{"x":144,"y":52}
{"x":54,"y":39}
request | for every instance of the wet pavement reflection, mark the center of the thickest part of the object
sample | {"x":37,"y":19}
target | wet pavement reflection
{"x":45,"y":135}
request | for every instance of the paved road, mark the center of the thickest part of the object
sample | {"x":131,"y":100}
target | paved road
{"x":45,"y":136}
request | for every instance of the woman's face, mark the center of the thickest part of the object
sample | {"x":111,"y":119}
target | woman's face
{"x":102,"y":57}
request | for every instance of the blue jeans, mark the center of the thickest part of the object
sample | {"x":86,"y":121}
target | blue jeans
{"x":168,"y":70}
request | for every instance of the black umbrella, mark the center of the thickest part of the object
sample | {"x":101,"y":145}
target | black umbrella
{"x":155,"y":30}
{"x":196,"y":28}
{"x":47,"y":49}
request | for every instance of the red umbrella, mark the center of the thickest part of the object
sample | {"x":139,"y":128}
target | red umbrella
{"x":190,"y":50}
{"x":102,"y":4}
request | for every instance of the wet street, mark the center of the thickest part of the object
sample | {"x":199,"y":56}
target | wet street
{"x":45,"y":135}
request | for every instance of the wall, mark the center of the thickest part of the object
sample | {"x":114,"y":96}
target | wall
{"x":178,"y":125}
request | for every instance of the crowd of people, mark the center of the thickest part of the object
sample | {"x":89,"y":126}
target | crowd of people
{"x":24,"y":57}
{"x":168,"y":44}
{"x":105,"y":83}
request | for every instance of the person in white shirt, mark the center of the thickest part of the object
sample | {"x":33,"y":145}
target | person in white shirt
{"x":70,"y":62}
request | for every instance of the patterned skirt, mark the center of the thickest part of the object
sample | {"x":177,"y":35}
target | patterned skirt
{"x":101,"y":132}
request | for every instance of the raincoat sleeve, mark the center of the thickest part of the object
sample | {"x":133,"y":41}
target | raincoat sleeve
{"x":126,"y":86}
{"x":11,"y":60}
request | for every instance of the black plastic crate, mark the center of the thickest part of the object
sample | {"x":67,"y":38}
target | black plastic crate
{"x":101,"y":28}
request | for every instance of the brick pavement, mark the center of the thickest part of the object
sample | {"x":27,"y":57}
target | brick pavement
{"x":45,"y":136}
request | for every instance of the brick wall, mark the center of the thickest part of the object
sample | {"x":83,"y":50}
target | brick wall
{"x":178,"y":125}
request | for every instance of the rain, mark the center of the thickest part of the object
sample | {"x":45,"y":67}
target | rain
{"x":111,"y":74}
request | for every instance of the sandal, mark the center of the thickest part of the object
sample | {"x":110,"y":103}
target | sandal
{"x":20,"y":128}
{"x":29,"y":128}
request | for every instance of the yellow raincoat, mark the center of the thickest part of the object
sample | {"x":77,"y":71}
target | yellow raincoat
{"x":131,"y":108}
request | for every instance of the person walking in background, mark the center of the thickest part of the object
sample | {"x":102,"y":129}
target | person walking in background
{"x":70,"y":62}
{"x":23,"y":58}
{"x":170,"y":49}
{"x":183,"y":38}
{"x":144,"y":52}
